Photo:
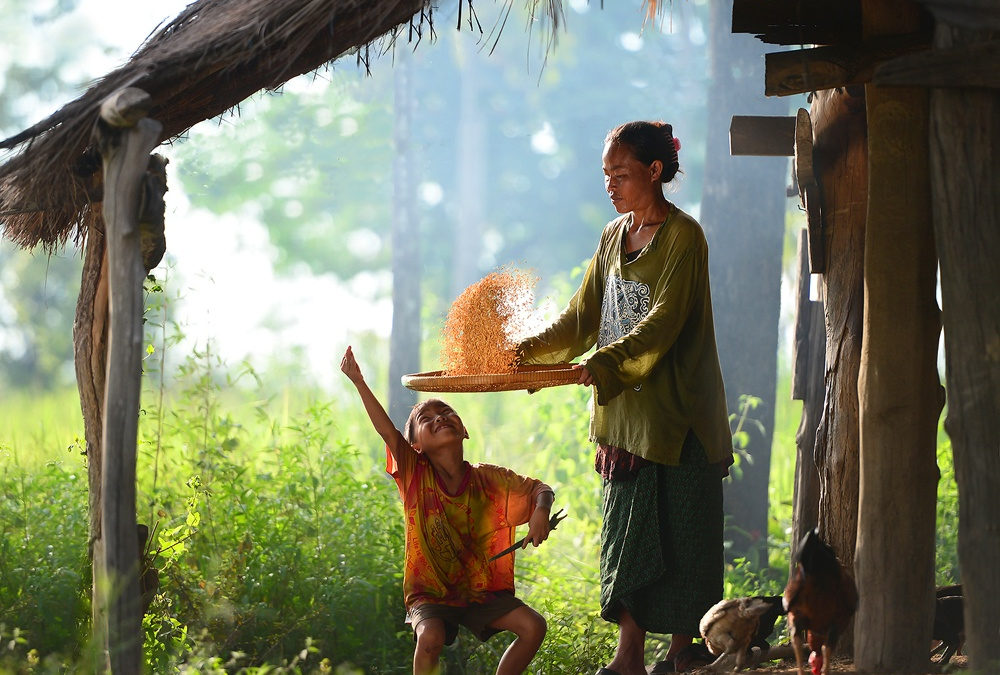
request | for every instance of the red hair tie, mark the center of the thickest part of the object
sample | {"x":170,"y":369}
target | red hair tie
{"x":677,"y":144}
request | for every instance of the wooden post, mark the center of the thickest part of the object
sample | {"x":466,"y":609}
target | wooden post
{"x":965,"y":166}
{"x":841,"y":169}
{"x":898,"y":388}
{"x":807,"y":386}
{"x":90,"y":345}
{"x":127,"y":138}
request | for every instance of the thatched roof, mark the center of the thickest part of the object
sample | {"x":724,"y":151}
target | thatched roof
{"x":206,"y":61}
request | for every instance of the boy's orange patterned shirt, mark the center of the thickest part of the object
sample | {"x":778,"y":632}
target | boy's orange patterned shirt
{"x":450,"y":538}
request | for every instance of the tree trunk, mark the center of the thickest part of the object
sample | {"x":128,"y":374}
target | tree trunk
{"x":126,"y":156}
{"x":841,"y":166}
{"x":965,"y":164}
{"x":743,"y":213}
{"x":90,"y":349}
{"x":404,"y":342}
{"x":898,"y":388}
{"x":807,"y":386}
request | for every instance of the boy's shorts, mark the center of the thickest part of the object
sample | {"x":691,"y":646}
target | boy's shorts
{"x":476,"y":617}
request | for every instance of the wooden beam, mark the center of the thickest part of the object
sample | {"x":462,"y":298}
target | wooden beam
{"x":126,"y":139}
{"x":794,"y":22}
{"x":804,"y":70}
{"x":760,"y":135}
{"x":973,"y":65}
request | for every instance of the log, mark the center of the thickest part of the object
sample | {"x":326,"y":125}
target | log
{"x":898,"y":387}
{"x":125,"y":150}
{"x":841,"y":166}
{"x":965,"y":189}
{"x":804,"y":70}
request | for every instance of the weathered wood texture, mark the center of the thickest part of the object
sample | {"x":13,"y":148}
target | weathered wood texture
{"x":900,"y":396}
{"x":126,"y":156}
{"x":965,"y":170}
{"x":90,"y":345}
{"x":974,"y":65}
{"x":804,"y":70}
{"x":840,"y":153}
{"x":808,"y":357}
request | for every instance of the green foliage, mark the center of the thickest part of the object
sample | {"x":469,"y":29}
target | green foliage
{"x":44,"y":575}
{"x":278,"y":537}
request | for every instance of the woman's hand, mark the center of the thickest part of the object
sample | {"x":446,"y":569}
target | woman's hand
{"x":586,"y":379}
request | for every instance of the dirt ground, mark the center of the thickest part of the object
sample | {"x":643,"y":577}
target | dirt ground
{"x":844,"y":667}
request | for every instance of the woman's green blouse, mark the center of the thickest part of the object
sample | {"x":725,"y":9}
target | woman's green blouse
{"x":656,"y":368}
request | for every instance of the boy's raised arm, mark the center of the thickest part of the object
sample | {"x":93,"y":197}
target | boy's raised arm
{"x":376,"y":413}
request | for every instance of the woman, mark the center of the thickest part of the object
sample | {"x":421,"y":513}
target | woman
{"x":659,"y":419}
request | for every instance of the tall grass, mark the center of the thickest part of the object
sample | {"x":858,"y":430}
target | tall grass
{"x":278,"y":536}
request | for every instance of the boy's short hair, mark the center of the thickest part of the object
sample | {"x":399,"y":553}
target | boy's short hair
{"x":409,"y":429}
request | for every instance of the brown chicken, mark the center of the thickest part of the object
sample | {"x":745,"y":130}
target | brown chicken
{"x":734,"y":626}
{"x":820,"y":599}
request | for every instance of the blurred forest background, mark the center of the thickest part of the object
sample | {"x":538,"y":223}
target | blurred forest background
{"x":277,"y":534}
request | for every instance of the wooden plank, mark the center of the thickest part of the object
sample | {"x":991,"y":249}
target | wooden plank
{"x":126,"y":139}
{"x":794,"y":22}
{"x":808,"y":375}
{"x":804,"y":70}
{"x":768,"y":136}
{"x":974,"y":65}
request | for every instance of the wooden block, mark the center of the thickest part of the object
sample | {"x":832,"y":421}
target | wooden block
{"x":762,"y":136}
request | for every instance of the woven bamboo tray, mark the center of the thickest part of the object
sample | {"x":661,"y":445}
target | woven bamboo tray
{"x":525,"y":377}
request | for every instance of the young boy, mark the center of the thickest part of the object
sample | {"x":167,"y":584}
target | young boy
{"x":458,"y":515}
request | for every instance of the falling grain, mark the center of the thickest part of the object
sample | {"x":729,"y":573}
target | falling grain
{"x":484,"y":323}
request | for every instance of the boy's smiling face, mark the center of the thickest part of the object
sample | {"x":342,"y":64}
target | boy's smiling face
{"x":434,"y":424}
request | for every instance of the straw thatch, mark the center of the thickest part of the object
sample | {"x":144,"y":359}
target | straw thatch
{"x":206,"y":61}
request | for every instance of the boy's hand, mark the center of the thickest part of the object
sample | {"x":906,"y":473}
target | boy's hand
{"x":538,"y":527}
{"x":351,"y":367}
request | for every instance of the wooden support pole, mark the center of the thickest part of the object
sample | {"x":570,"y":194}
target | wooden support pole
{"x":899,"y":392}
{"x":841,"y":168}
{"x":127,"y":138}
{"x":965,"y":168}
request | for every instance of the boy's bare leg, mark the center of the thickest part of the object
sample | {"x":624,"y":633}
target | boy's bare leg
{"x":430,"y":641}
{"x":630,"y":656}
{"x":529,"y":627}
